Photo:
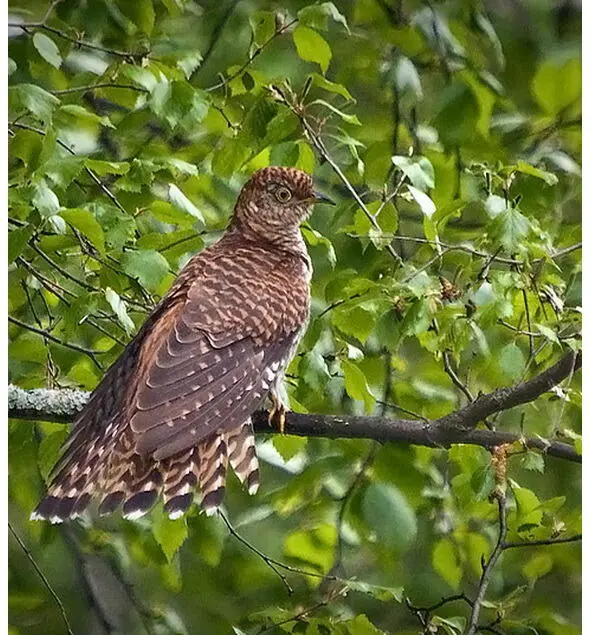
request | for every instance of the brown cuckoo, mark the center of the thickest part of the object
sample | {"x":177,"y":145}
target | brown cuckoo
{"x":175,"y":409}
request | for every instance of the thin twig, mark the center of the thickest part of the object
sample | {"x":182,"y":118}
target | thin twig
{"x":85,"y":89}
{"x":87,"y":351}
{"x":499,"y":463}
{"x":40,"y":26}
{"x":90,"y":173}
{"x":264,"y":557}
{"x":539,"y":543}
{"x":45,"y":581}
{"x":316,"y":140}
{"x":257,"y":51}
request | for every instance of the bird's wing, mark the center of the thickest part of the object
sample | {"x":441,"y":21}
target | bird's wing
{"x":217,"y":360}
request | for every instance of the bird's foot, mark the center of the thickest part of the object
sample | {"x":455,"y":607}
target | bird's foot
{"x":277,"y":412}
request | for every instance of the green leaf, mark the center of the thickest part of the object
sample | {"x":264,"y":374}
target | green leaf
{"x":85,"y":222}
{"x":533,"y":461}
{"x":190,"y":63}
{"x":288,"y":445}
{"x":331,"y":87}
{"x":419,"y":171}
{"x":343,"y":115}
{"x":101,"y":168}
{"x":312,"y":47}
{"x":317,"y":16}
{"x":11,"y":66}
{"x":529,"y":511}
{"x":263,"y":26}
{"x":81,"y":114}
{"x":512,"y":361}
{"x":526,"y":168}
{"x":382,"y":593}
{"x":314,"y":546}
{"x":178,"y":199}
{"x":314,"y":237}
{"x":47,"y":48}
{"x":557,"y":86}
{"x":355,"y":321}
{"x":45,"y":200}
{"x":17,"y":239}
{"x":510,"y":229}
{"x":313,"y":370}
{"x":408,"y":81}
{"x":34,"y":99}
{"x":356,"y":385}
{"x":389,"y":516}
{"x":423,"y":201}
{"x":145,"y":265}
{"x":446,"y":562}
{"x":120,"y":309}
{"x":169,"y":534}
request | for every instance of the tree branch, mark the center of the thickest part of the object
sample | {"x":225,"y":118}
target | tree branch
{"x":62,"y":406}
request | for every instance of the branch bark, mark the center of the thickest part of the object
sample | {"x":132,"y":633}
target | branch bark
{"x":63,"y":405}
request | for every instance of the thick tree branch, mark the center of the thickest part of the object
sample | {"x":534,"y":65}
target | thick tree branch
{"x":457,"y":427}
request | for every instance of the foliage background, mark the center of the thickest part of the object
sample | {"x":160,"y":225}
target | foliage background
{"x":110,"y":192}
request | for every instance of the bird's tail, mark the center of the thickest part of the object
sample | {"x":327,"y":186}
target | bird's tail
{"x":109,"y":470}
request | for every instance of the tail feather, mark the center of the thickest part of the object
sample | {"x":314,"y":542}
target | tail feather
{"x":243,"y":457}
{"x":109,"y":469}
{"x":213,"y":461}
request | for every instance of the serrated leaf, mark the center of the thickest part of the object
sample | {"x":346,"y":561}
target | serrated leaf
{"x":317,"y":16}
{"x":107,"y":167}
{"x":145,"y":265}
{"x":190,"y":63}
{"x":533,"y":461}
{"x":85,"y":222}
{"x":387,"y":513}
{"x":288,"y":445}
{"x":312,"y":47}
{"x":34,"y":99}
{"x":47,"y":48}
{"x":382,"y":593}
{"x":419,"y":171}
{"x":510,"y":228}
{"x":120,"y":309}
{"x":526,"y":168}
{"x":169,"y":534}
{"x":356,"y":385}
{"x":81,"y":113}
{"x":17,"y":239}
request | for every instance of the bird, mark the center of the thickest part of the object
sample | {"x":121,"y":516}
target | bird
{"x":174,"y":411}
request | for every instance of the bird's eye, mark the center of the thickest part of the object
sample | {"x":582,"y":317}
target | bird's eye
{"x":282,"y":194}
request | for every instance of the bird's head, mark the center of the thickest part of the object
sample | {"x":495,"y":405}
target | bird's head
{"x":276,"y":200}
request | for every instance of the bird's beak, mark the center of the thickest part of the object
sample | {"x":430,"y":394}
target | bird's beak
{"x":319,"y":197}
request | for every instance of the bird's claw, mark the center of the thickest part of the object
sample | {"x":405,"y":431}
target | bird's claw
{"x":277,"y":413}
